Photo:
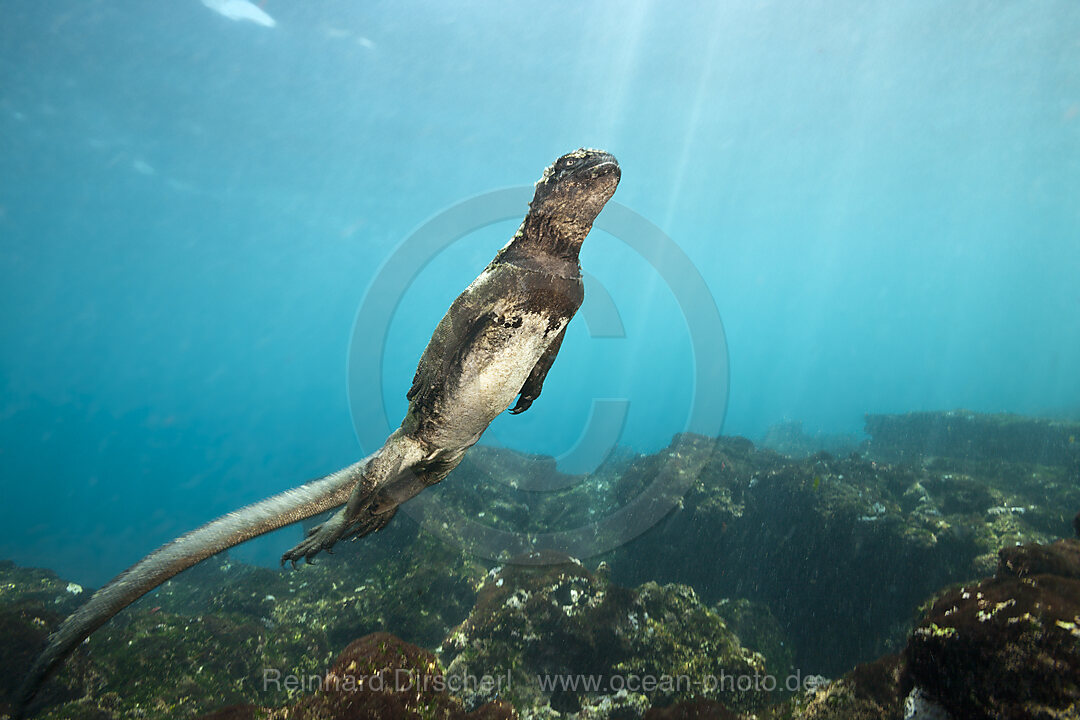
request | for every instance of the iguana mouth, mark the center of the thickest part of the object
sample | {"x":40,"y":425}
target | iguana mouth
{"x":601,"y":164}
{"x":606,"y":168}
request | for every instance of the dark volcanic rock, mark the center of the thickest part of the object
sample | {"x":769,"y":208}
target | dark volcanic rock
{"x":418,"y":595}
{"x":32,"y":603}
{"x":1061,"y":558}
{"x":829,"y":557}
{"x":233,"y":712}
{"x":1008,"y":647}
{"x":788,"y":438}
{"x":380,"y":677}
{"x":843,"y":551}
{"x":204,"y":639}
{"x":692,"y":710}
{"x":872,"y":691}
{"x":522,"y":493}
{"x":809,"y":539}
{"x":758,"y":630}
{"x":966,"y":435}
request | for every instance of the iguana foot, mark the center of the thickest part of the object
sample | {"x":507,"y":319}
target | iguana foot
{"x":374,"y":523}
{"x":319,"y":538}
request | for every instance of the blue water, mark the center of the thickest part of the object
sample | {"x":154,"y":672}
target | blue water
{"x":881,"y":198}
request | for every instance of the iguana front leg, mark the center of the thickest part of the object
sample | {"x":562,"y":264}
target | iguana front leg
{"x":535,"y":382}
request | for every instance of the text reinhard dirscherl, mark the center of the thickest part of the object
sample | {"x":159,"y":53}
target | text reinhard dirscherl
{"x":402,"y":680}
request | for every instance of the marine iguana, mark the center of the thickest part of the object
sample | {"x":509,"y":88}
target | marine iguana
{"x":497,"y":341}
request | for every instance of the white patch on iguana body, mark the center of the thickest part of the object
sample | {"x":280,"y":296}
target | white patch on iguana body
{"x":491,"y":380}
{"x":495,"y":368}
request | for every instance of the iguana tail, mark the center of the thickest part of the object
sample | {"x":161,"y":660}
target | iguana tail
{"x":180,"y":554}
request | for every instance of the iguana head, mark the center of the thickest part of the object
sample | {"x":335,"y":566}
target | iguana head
{"x":569,"y":196}
{"x":578,"y":184}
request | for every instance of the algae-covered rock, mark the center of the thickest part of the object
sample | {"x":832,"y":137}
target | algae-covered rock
{"x":824,"y":542}
{"x":32,"y":603}
{"x":418,"y":595}
{"x":173,"y":665}
{"x":384,"y":678}
{"x":206,"y":638}
{"x":682,"y":638}
{"x":523,"y":497}
{"x":22,"y":586}
{"x":1061,"y":558}
{"x":692,"y":710}
{"x":843,"y":551}
{"x":153,"y":663}
{"x":757,"y":629}
{"x":236,"y":712}
{"x":872,"y":691}
{"x":1007,"y":647}
{"x":1004,"y":648}
{"x":411,"y":584}
{"x":376,"y":677}
{"x":963,"y":434}
{"x":566,"y":640}
{"x":788,"y":438}
{"x":620,"y":705}
{"x":826,"y":557}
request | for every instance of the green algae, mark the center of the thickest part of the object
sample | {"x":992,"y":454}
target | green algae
{"x":540,"y":624}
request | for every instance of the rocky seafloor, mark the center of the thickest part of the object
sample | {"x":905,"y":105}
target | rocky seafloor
{"x":927,"y":572}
